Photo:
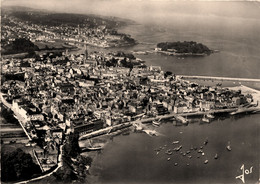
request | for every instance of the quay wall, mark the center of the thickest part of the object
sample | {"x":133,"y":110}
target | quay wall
{"x":218,"y":78}
{"x":105,"y":130}
{"x":168,"y":116}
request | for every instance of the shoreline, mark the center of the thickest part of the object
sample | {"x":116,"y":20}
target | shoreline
{"x":182,"y":54}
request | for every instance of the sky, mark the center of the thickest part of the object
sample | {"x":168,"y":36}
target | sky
{"x":143,"y":10}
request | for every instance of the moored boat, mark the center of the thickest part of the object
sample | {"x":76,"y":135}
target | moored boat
{"x":204,"y":119}
{"x":210,"y":116}
{"x":175,"y":142}
{"x":216,"y":156}
{"x":229,"y":148}
{"x":95,"y":148}
{"x":156,"y":123}
{"x":178,"y":148}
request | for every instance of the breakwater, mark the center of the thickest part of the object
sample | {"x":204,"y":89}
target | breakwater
{"x":218,"y":78}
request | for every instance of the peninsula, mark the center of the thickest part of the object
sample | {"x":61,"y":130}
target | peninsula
{"x":186,"y":48}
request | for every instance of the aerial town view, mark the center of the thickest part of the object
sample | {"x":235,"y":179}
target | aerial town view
{"x":130,"y":91}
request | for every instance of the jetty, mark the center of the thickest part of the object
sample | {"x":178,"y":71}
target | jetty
{"x":246,"y":110}
{"x":218,"y":78}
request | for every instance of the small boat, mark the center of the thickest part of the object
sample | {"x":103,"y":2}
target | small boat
{"x":228,"y":148}
{"x":169,"y":159}
{"x":206,"y":142}
{"x":175,"y":142}
{"x":178,"y":148}
{"x":157,"y":123}
{"x":30,"y":144}
{"x":90,"y":148}
{"x":210,"y":116}
{"x":216,"y":156}
{"x":206,"y":161}
{"x":151,"y":132}
{"x":93,"y":148}
{"x":204,"y":119}
{"x":175,"y":164}
{"x":168,"y":152}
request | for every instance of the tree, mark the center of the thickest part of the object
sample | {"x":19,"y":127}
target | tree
{"x":18,"y":165}
{"x":72,"y":146}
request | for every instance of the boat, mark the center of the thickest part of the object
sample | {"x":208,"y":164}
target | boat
{"x":168,"y":152}
{"x":169,"y":159}
{"x":204,"y":119}
{"x":175,"y":142}
{"x":95,"y":148}
{"x":206,"y":142}
{"x":229,"y":148}
{"x":178,"y":148}
{"x":210,"y":116}
{"x":200,"y":151}
{"x":156,"y":123}
{"x":216,"y":156}
{"x":91,"y":147}
{"x":206,"y":161}
{"x":151,"y":132}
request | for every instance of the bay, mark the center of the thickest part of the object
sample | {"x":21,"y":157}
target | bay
{"x":132,"y":159}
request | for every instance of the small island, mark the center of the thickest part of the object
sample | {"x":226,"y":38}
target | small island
{"x":186,"y":48}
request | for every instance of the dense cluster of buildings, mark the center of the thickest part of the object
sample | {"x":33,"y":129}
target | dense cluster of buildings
{"x":82,"y":94}
{"x":99,"y":35}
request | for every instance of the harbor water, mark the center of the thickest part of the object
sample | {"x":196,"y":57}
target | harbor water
{"x":133,"y":159}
